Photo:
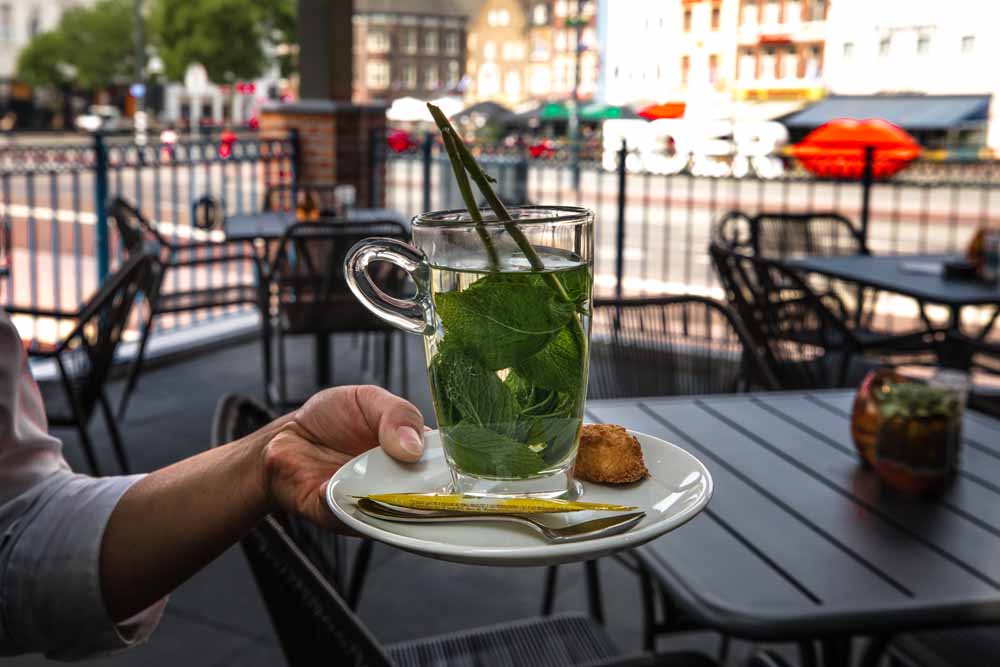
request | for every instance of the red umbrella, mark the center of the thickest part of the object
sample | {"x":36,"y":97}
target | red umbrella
{"x":837,"y":148}
{"x":665,"y":110}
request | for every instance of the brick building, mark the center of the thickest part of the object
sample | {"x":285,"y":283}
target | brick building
{"x":413,"y":49}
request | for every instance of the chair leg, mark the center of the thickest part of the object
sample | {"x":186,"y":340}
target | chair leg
{"x":135,"y":369}
{"x":282,"y":387}
{"x":87,"y":445}
{"x":359,"y":570}
{"x":649,"y":620}
{"x":594,"y":591}
{"x":549,"y":596}
{"x":265,"y":354}
{"x":116,"y":436}
{"x":81,"y":425}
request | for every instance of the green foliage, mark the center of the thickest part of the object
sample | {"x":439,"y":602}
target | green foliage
{"x":91,"y":46}
{"x":227,"y":37}
{"x":506,"y":318}
{"x":530,"y":420}
{"x":915,"y":399}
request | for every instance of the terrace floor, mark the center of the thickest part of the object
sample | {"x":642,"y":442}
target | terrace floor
{"x":217,"y":618}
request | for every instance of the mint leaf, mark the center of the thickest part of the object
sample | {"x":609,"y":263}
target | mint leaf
{"x":577,"y":284}
{"x":480,"y":451}
{"x":558,"y":434}
{"x":466,"y":390}
{"x":557,"y":366}
{"x":505,"y":318}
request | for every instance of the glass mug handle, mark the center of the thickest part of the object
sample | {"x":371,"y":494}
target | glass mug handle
{"x":414,"y":315}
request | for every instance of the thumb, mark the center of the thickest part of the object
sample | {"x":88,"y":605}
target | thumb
{"x":400,"y":424}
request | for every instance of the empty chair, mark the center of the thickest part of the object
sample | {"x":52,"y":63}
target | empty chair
{"x":806,"y":337}
{"x":310,"y":290}
{"x":84,"y":356}
{"x":669,"y":346}
{"x":314,"y":624}
{"x":228,"y":274}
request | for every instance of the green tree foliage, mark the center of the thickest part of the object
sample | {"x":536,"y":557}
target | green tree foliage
{"x":91,"y":46}
{"x":227,"y":37}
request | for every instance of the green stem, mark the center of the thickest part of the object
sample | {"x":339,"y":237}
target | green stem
{"x":451,"y":145}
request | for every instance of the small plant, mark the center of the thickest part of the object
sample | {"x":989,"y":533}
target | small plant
{"x":915,"y":400}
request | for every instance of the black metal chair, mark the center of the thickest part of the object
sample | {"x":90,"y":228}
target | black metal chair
{"x":314,"y":624}
{"x":805,"y":337}
{"x":84,"y":356}
{"x":310,"y":290}
{"x":290,"y":197}
{"x":664,"y":346}
{"x":780,"y":235}
{"x":237,"y":285}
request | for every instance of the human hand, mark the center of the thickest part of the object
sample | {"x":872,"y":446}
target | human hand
{"x":329,"y":430}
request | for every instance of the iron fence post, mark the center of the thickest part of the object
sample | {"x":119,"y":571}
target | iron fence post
{"x":375,"y":143}
{"x":102,"y":251}
{"x":620,"y":238}
{"x":425,"y":151}
{"x":866,"y":190}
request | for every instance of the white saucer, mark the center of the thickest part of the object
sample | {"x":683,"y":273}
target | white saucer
{"x":678,"y":488}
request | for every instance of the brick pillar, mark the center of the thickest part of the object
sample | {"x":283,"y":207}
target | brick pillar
{"x":334,"y":141}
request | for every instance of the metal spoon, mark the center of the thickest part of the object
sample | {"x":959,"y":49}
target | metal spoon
{"x":584,"y":530}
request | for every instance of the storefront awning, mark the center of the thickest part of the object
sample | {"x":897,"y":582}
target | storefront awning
{"x":911,"y":112}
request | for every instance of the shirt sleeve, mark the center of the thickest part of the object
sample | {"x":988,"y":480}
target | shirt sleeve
{"x":52,"y":524}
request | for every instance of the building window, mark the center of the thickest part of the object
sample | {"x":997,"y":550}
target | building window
{"x":377,"y":74}
{"x":431,"y":81}
{"x":560,"y":40}
{"x":816,"y":10}
{"x":768,"y":64}
{"x":430,"y":41}
{"x":923,"y":44}
{"x":748,"y":63}
{"x":409,"y":76}
{"x":748,"y":12}
{"x":498,"y":18}
{"x":562,"y":8}
{"x":793,"y":11}
{"x":685,"y":69}
{"x":540,"y":14}
{"x":884,"y":45}
{"x":377,"y":42}
{"x":789,"y":63}
{"x":812,"y":68}
{"x":454,"y":73}
{"x":716,"y":17}
{"x":713,"y":68}
{"x":968,"y":43}
{"x":488,"y":80}
{"x":451,"y":42}
{"x":512,"y":84}
{"x":539,"y":48}
{"x":513,"y":51}
{"x":410,"y":41}
{"x":34,"y":21}
{"x":540,"y":82}
{"x":5,"y":21}
{"x":687,"y":19}
{"x":490,"y":51}
{"x":772,"y":12}
{"x":848,"y":50}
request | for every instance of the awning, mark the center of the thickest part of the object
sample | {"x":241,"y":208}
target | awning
{"x":911,"y":112}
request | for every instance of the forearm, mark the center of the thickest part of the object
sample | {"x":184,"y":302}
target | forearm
{"x":176,"y":520}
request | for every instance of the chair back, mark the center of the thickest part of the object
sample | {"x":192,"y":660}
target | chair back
{"x":208,"y":212}
{"x":307,"y":275}
{"x":678,"y":345}
{"x":312,"y":621}
{"x":87,"y":354}
{"x":784,"y":235}
{"x":134,"y":229}
{"x":290,"y":197}
{"x":792,"y":326}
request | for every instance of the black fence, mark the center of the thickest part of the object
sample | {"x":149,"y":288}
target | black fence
{"x":652,"y":230}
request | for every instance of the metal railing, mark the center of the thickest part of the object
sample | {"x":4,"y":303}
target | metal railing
{"x":652,"y":230}
{"x":53,"y":205}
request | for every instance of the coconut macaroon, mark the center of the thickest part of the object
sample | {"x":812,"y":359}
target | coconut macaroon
{"x":608,"y":454}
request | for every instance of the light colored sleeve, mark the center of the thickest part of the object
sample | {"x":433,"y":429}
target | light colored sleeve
{"x":52,"y":523}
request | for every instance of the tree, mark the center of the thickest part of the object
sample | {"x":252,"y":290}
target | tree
{"x":91,"y":47}
{"x":227,"y":37}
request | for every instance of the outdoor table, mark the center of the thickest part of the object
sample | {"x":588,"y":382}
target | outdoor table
{"x":802,"y":543}
{"x":913,"y":276}
{"x":270,"y":227}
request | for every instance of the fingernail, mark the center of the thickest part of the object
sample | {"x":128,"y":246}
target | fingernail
{"x":410,"y":441}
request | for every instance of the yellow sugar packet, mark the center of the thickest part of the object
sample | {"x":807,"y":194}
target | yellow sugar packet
{"x":452,"y":502}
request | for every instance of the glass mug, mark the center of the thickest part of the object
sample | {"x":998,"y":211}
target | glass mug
{"x":507,"y":334}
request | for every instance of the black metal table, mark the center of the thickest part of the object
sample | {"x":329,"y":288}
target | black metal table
{"x":912,"y":276}
{"x":801,"y":543}
{"x":271,"y":226}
